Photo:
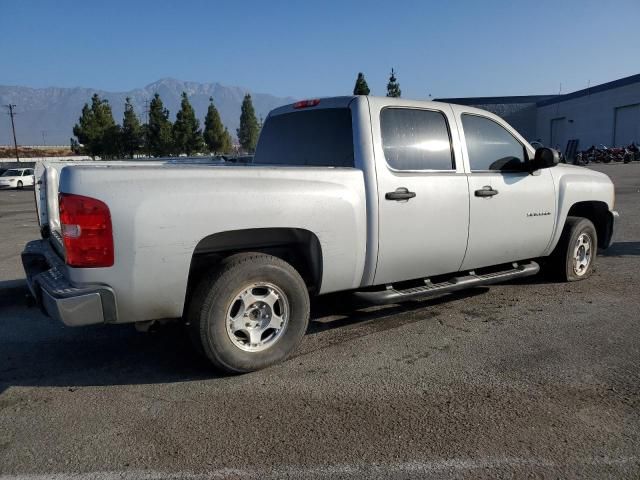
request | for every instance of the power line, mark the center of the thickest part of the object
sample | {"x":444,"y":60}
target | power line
{"x":11,"y":113}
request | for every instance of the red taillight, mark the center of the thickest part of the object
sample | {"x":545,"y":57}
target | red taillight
{"x":86,"y":231}
{"x":306,"y":103}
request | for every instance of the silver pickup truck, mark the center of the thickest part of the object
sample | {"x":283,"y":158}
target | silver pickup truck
{"x":388,"y":198}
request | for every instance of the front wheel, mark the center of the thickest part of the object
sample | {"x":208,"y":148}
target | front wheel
{"x":575,"y":254}
{"x":19,"y":185}
{"x":250,"y":313}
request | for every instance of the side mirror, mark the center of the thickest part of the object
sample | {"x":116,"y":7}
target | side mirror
{"x":545,"y":158}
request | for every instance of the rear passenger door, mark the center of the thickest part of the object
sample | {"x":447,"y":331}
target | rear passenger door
{"x":512,"y":209}
{"x":423,"y":196}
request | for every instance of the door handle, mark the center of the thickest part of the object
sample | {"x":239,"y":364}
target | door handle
{"x":486,"y":191}
{"x":401,"y":193}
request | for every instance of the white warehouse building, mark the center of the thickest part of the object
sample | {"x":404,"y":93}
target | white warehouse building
{"x":607,"y":114}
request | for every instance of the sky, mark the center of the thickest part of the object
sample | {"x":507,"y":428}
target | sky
{"x":310,"y":48}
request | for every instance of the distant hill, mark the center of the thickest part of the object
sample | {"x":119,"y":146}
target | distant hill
{"x":55,"y":110}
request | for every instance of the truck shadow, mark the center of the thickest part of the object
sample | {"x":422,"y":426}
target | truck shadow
{"x":618,"y":249}
{"x":621,"y":249}
{"x":341,"y":310}
{"x":36,"y":351}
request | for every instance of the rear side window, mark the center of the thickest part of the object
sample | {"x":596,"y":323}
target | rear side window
{"x":491,"y":146}
{"x":313,"y":137}
{"x":415,"y":139}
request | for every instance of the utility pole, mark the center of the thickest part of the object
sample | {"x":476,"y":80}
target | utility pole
{"x":146,"y":130}
{"x":13,"y":127}
{"x":44,"y":137}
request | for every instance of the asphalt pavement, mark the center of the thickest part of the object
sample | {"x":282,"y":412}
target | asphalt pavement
{"x":530,"y":379}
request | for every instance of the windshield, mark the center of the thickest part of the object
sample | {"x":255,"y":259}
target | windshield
{"x":12,"y":173}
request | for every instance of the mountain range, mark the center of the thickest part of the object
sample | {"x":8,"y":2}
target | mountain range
{"x":47,"y":115}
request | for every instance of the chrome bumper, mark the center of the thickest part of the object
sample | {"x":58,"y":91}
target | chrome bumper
{"x":57,"y":296}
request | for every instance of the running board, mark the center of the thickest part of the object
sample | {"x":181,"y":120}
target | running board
{"x":392,"y":295}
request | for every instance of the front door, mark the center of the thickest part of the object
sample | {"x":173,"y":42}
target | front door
{"x":512,"y":211}
{"x":423,"y":201}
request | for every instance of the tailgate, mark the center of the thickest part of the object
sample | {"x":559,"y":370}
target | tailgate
{"x":47,"y":179}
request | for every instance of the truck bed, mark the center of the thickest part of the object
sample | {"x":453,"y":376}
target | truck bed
{"x":163,"y":212}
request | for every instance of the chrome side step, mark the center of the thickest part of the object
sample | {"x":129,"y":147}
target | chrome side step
{"x":471,"y":279}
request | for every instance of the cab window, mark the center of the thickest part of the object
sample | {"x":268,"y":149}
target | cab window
{"x":414,"y":139}
{"x":491,"y":147}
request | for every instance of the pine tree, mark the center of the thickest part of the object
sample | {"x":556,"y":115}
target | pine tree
{"x":131,"y":131}
{"x":85,"y":132}
{"x":94,"y":127}
{"x":361,"y":87}
{"x":106,"y":127}
{"x":227,"y":145}
{"x":249,"y":130}
{"x":393,"y":87}
{"x":112,"y":140}
{"x":187,"y":136}
{"x":215,"y":131}
{"x":159,"y":135}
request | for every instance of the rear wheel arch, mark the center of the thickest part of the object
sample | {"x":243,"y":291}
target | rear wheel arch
{"x":299,"y":247}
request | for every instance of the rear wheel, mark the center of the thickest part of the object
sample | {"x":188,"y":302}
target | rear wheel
{"x":575,"y":254}
{"x":250,"y":313}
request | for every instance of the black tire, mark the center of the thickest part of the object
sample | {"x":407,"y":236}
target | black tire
{"x":562,"y":261}
{"x":216,"y":295}
{"x":19,"y":185}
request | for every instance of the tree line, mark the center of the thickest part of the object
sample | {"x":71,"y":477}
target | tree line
{"x":98,"y":135}
{"x":393,"y":87}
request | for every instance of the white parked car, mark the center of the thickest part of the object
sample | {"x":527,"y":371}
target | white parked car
{"x":17,"y":178}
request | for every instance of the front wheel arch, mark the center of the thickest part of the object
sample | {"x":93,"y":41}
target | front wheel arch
{"x":597,"y":212}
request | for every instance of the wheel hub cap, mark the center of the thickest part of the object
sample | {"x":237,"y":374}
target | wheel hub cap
{"x":257,"y":316}
{"x":582,"y":254}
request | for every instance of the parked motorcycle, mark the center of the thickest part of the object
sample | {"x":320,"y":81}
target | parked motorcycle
{"x":594,"y":155}
{"x":616,"y":154}
{"x":631,"y":153}
{"x":604,"y":154}
{"x":580,"y":159}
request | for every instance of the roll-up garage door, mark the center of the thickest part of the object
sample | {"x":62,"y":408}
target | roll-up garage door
{"x":627,"y":126}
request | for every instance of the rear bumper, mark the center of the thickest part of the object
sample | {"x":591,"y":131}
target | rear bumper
{"x":71,"y":304}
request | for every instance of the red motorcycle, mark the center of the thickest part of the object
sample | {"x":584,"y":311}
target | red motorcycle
{"x":616,"y":154}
